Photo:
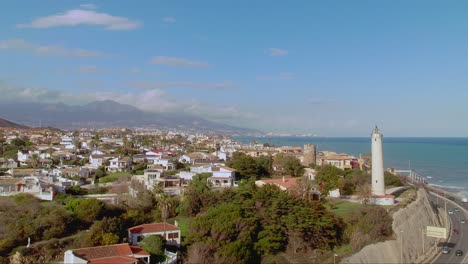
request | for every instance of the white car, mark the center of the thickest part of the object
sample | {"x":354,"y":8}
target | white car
{"x":462,"y":221}
{"x":445,"y":250}
{"x":450,"y":212}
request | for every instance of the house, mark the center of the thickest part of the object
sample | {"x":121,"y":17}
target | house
{"x":198,"y":157}
{"x":223,"y":176}
{"x":98,"y":160}
{"x":341,"y":161}
{"x":8,"y":163}
{"x":63,"y":155}
{"x":66,"y":140}
{"x":117,"y":253}
{"x":23,"y":155}
{"x":221,"y":155}
{"x":121,"y":165}
{"x":171,"y":184}
{"x":12,"y":186}
{"x":171,"y":233}
{"x":137,"y":158}
{"x":284,"y":183}
{"x":165,"y":161}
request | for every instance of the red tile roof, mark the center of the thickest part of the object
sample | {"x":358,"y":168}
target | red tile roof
{"x":95,"y":254}
{"x":138,"y":250}
{"x":119,"y":260}
{"x":152,"y":228}
{"x":287,"y":183}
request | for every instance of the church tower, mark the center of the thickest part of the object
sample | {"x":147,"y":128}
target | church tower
{"x":378,"y":184}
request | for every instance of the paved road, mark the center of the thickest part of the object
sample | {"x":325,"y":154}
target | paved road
{"x":454,"y":242}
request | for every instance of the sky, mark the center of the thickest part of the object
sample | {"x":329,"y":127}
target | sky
{"x":331,"y":68}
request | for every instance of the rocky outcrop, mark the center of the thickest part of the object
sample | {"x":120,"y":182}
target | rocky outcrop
{"x":408,"y":226}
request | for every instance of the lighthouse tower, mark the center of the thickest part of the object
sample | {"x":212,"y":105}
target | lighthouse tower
{"x":378,"y":184}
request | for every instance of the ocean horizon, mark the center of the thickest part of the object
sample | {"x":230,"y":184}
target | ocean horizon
{"x":443,"y":161}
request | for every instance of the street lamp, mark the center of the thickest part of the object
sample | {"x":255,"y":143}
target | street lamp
{"x":334,"y":258}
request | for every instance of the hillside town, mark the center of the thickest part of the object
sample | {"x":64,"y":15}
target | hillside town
{"x":141,"y":170}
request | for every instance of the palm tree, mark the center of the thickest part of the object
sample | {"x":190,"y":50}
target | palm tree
{"x":364,"y":192}
{"x":35,"y":160}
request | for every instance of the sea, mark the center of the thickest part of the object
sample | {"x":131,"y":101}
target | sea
{"x":442,"y":161}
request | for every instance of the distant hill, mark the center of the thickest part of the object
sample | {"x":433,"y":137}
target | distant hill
{"x":8,"y":124}
{"x":102,"y":114}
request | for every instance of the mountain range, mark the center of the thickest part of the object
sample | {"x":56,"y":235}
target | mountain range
{"x":108,"y":113}
{"x":8,"y":124}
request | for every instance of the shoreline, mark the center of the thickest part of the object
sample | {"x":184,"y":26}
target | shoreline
{"x":439,"y":189}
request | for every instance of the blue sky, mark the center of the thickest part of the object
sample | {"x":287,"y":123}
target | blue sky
{"x":333,"y":68}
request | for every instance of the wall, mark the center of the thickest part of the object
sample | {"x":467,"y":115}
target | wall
{"x":411,"y":221}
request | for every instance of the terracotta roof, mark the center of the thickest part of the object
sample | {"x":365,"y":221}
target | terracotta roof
{"x":94,"y":254}
{"x":11,"y":181}
{"x":287,"y":183}
{"x":138,"y":250}
{"x":151,"y":228}
{"x":119,"y":259}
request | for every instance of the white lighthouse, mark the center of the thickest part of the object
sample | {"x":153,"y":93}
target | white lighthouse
{"x":378,"y":184}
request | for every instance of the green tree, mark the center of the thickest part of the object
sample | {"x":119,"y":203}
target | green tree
{"x":245,"y":165}
{"x":327,"y":178}
{"x":87,"y":210}
{"x":392,"y":180}
{"x":109,"y":239}
{"x":293,"y":166}
{"x":153,"y":244}
{"x":264,"y":166}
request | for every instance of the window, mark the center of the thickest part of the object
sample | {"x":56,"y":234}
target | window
{"x":172,"y":235}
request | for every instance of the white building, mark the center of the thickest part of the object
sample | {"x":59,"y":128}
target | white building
{"x":171,"y":233}
{"x":66,"y":140}
{"x":120,"y":165}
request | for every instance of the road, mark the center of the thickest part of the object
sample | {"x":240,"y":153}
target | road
{"x":455,"y":241}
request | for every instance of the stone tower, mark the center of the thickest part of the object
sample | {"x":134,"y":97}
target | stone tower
{"x":309,"y":156}
{"x":378,"y":184}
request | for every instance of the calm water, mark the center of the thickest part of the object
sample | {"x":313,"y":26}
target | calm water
{"x":443,"y":159}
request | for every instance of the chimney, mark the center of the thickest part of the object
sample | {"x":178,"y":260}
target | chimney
{"x":176,"y":223}
{"x":284,"y":179}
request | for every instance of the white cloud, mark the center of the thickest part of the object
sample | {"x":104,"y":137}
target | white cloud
{"x":47,"y":50}
{"x":164,"y":85}
{"x":178,"y":62}
{"x":277,"y":52}
{"x":150,"y":100}
{"x":77,"y":17}
{"x":88,"y":69}
{"x":169,"y":19}
{"x":220,"y":113}
{"x":88,"y":6}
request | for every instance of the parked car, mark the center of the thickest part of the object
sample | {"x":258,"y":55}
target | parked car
{"x":445,"y":250}
{"x":450,"y":212}
{"x":456,"y":209}
{"x":459,"y":252}
{"x":456,"y":232}
{"x":462,"y":221}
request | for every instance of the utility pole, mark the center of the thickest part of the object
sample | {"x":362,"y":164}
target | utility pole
{"x":423,"y":242}
{"x":401,"y":246}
